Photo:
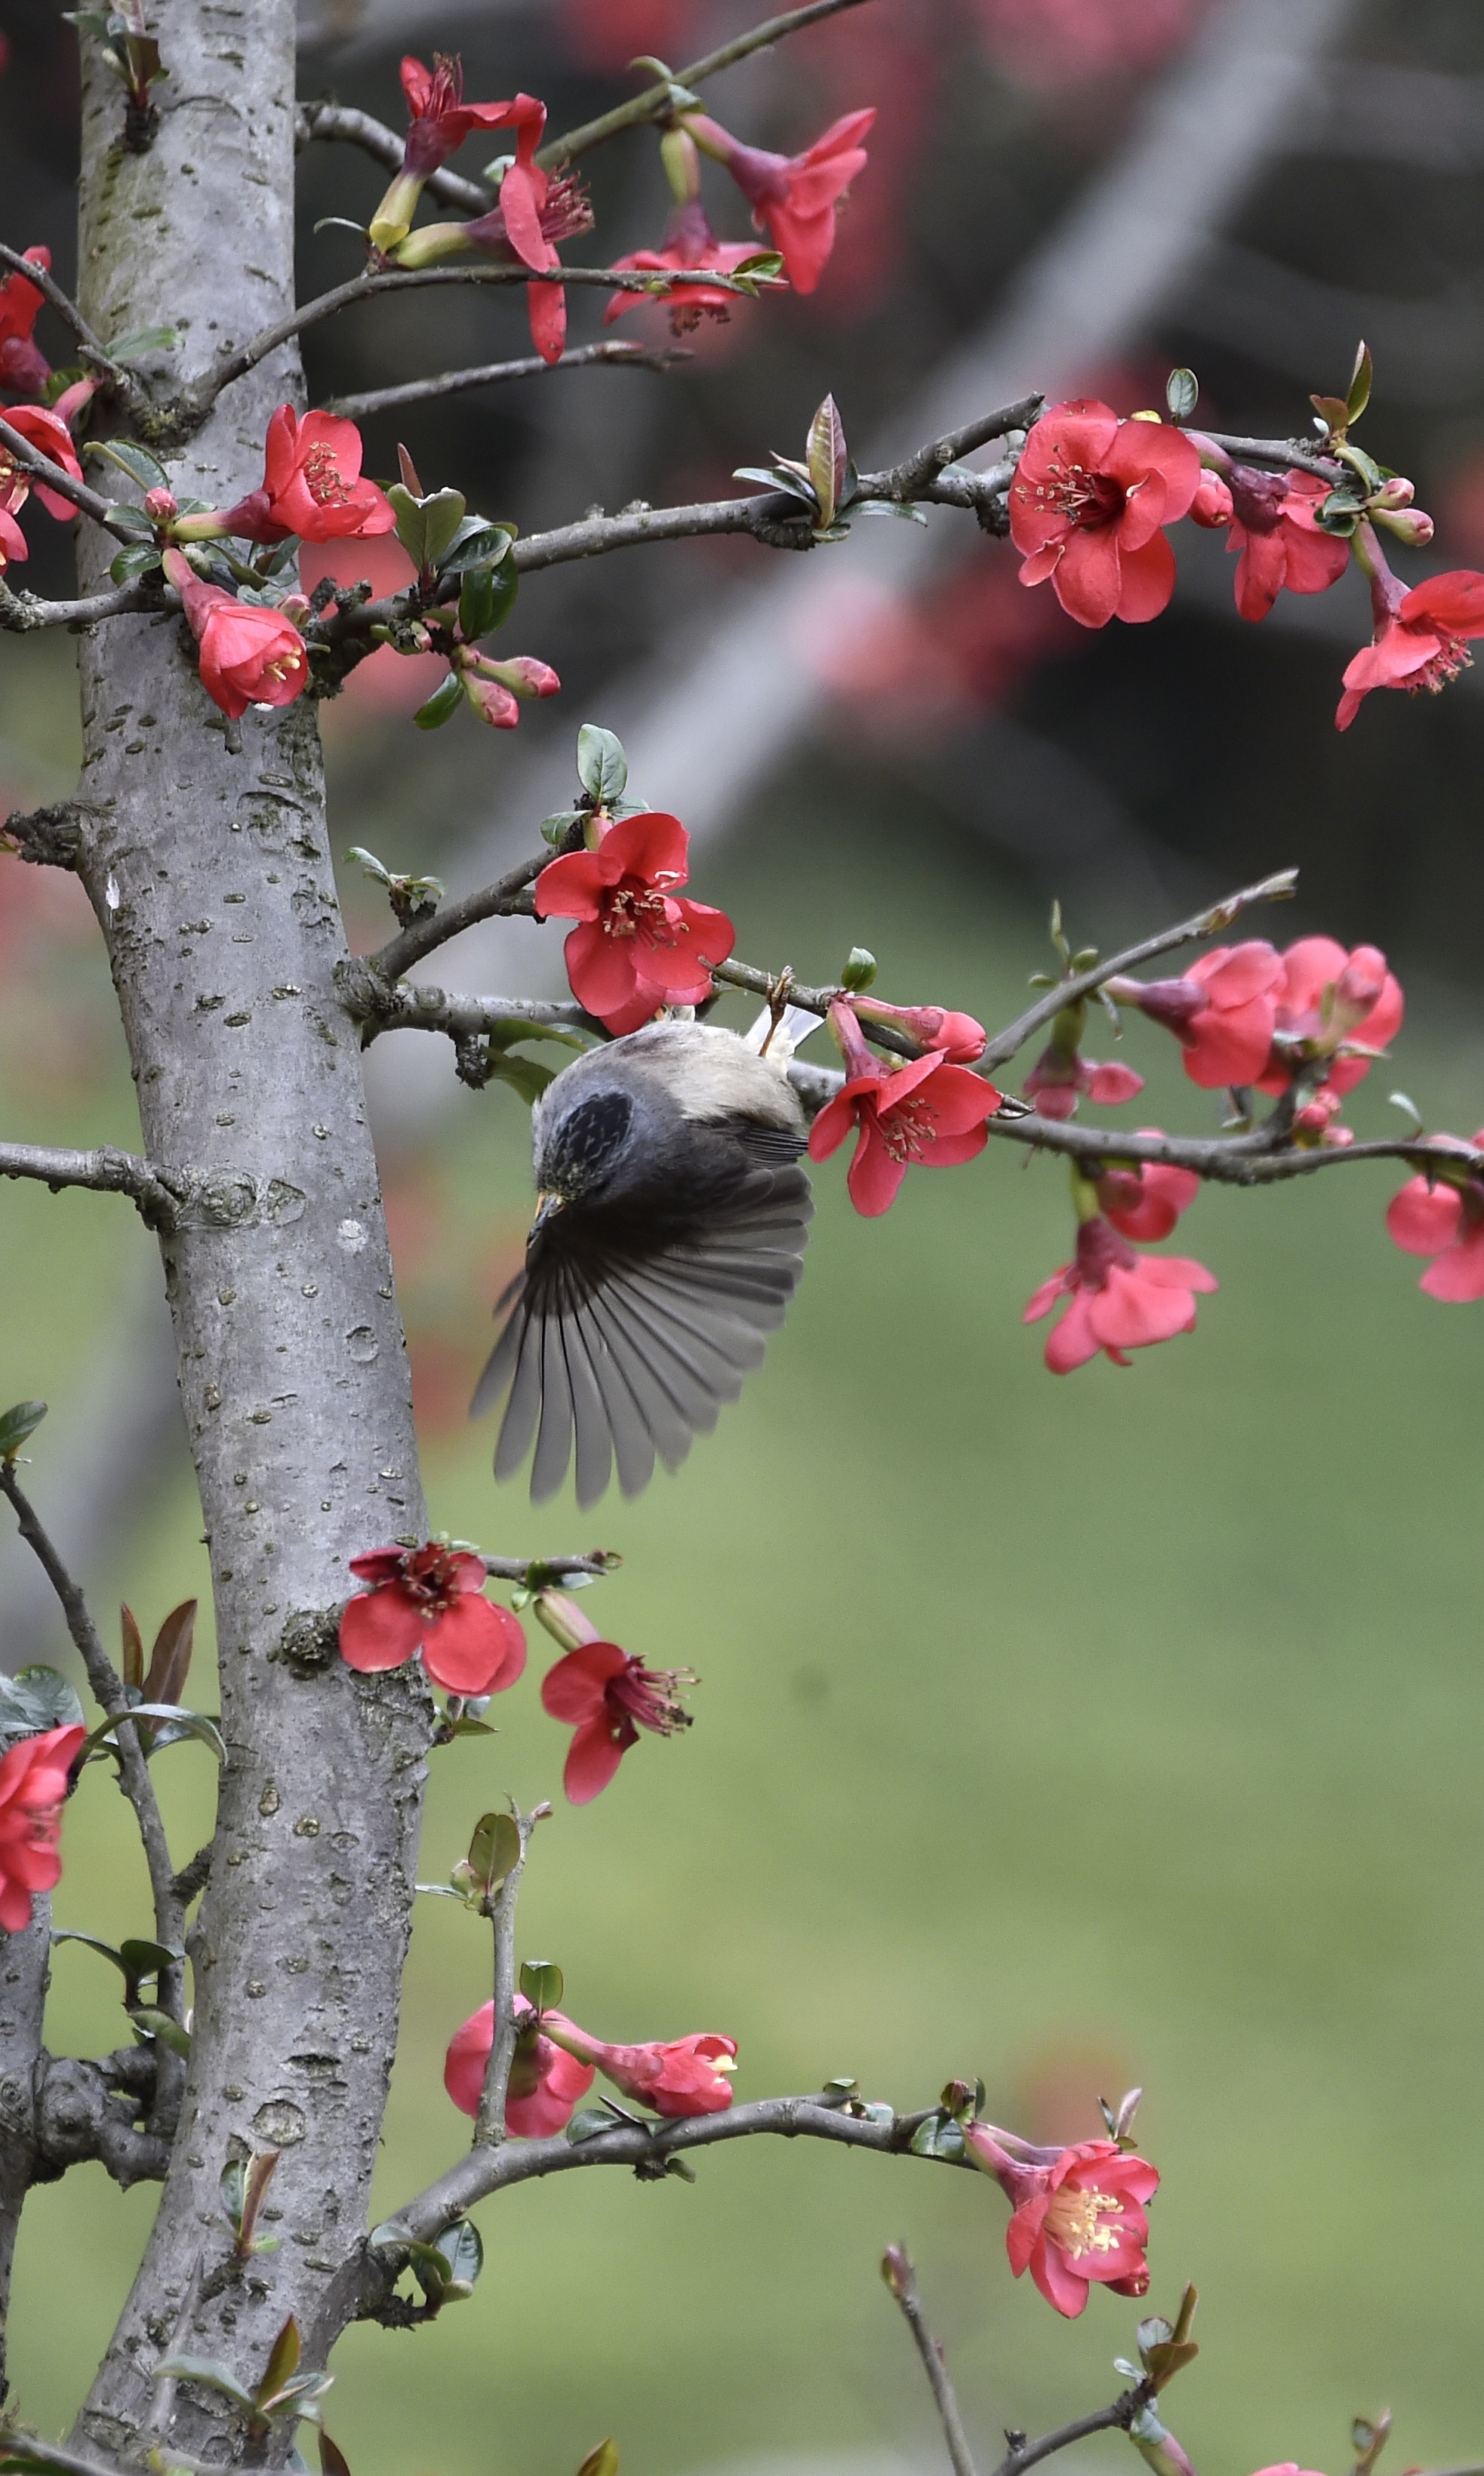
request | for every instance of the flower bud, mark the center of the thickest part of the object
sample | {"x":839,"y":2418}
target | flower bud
{"x":1397,"y":492}
{"x":897,"y":2269}
{"x":159,"y":505}
{"x":1414,"y":527}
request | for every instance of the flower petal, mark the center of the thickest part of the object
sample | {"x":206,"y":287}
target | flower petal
{"x":380,"y":1629}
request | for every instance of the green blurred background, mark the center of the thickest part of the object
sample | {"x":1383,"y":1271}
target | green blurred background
{"x":1071,"y":1732}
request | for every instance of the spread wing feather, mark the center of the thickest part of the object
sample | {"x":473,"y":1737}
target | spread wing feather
{"x":631,"y":1353}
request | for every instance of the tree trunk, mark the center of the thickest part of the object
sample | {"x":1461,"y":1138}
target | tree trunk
{"x":205,"y":856}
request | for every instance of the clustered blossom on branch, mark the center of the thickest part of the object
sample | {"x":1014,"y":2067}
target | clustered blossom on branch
{"x":431,"y":1599}
{"x":1078,"y":2213}
{"x":638,"y":944}
{"x":1118,"y":1300}
{"x":929,"y":1114}
{"x":1441,"y":1214}
{"x":24,"y":370}
{"x":50,"y":436}
{"x":556,"y":2062}
{"x":33,"y":1785}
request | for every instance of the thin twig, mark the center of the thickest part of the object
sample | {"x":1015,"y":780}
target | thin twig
{"x":87,"y":343}
{"x":1262,"y":1159}
{"x":654,"y":101}
{"x":507,"y":895}
{"x":105,"y":1172}
{"x":196,"y":401}
{"x":1297,"y":452}
{"x":21,"y":2450}
{"x":1122,"y":2413}
{"x":514,"y":1569}
{"x":42,"y":469}
{"x":905,"y":480}
{"x":1278,"y":889}
{"x":902,"y":2279}
{"x":619,"y":355}
{"x":489,"y":2127}
{"x":108,"y":1692}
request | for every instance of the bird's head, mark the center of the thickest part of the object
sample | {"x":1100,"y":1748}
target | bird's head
{"x":579,"y":1146}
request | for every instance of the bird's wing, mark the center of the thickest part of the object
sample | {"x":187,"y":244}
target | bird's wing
{"x":630,"y":1351}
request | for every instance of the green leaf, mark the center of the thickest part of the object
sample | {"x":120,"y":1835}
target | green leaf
{"x":141,"y":1958}
{"x":1358,"y":395}
{"x":587,"y":2123}
{"x":603,"y":768}
{"x":20,"y":1420}
{"x":888,"y":507}
{"x":1181,"y":389}
{"x":426,"y":528}
{"x":233,"y":2189}
{"x":137,"y":462}
{"x":461,"y":2246}
{"x":541,"y":1984}
{"x":776,"y":479}
{"x":441,"y":706}
{"x":160,"y":2025}
{"x":602,"y":2462}
{"x":487,"y":598}
{"x":206,"y":2370}
{"x":180,"y":1723}
{"x":494,"y":1850}
{"x":938,"y":2137}
{"x":143,"y":339}
{"x":465,"y":1727}
{"x":477,"y":544}
{"x":827,"y":460}
{"x":859,"y":969}
{"x":524,"y":1075}
{"x":35,"y":1701}
{"x":134,"y":520}
{"x":555,"y":828}
{"x":331,"y":2458}
{"x":71,"y":1934}
{"x":282,"y":2361}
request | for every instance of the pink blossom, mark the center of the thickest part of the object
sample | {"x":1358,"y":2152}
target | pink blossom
{"x":1118,"y":1301}
{"x":1441,"y":1214}
{"x":1078,"y":2215}
{"x":545,"y":2084}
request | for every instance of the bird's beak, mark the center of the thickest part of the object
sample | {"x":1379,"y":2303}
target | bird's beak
{"x":548,"y":1206}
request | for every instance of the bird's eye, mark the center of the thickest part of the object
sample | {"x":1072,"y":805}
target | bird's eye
{"x":588,"y":1140}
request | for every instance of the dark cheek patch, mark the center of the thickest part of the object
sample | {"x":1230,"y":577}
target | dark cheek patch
{"x":588,"y":1141}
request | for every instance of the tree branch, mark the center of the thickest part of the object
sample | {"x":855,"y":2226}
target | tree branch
{"x":623,"y":355}
{"x":901,"y":2278}
{"x":1120,"y":2414}
{"x":1278,"y":889}
{"x":106,"y":1172}
{"x":1265,"y":1157}
{"x":42,"y":469}
{"x":123,"y":379}
{"x":194,"y":402}
{"x":489,"y":2127}
{"x":507,"y":895}
{"x":1300,"y":453}
{"x":413,"y":1005}
{"x":655,"y":100}
{"x":20,"y":612}
{"x":108,"y":1692}
{"x":514,"y":1569}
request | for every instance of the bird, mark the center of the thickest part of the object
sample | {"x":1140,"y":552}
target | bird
{"x":671,"y":1221}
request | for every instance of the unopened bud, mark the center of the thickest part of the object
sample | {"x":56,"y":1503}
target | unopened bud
{"x":159,"y":505}
{"x":897,"y":2270}
{"x":1397,"y":492}
{"x":859,"y":969}
{"x":564,"y":1620}
{"x":1412,"y":526}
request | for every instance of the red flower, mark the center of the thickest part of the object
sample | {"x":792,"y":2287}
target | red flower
{"x":688,"y":243}
{"x":688,"y":2077}
{"x":249,"y":654}
{"x":637,"y":947}
{"x":1087,"y":504}
{"x":311,"y":486}
{"x":24,"y":370}
{"x":1145,"y":1199}
{"x":1327,"y":1000}
{"x":495,"y":689}
{"x":50,"y":438}
{"x":535,"y":212}
{"x":1223,"y":1011}
{"x":957,"y":1037}
{"x":1444,"y":1219}
{"x":545,"y":2083}
{"x":1284,"y":548}
{"x":1118,"y":1300}
{"x":33,"y":1787}
{"x":1058,"y":1076}
{"x":608,"y":1696}
{"x":1419,"y":636}
{"x":793,"y":197}
{"x":431,"y":1599}
{"x":1078,"y":2215}
{"x":440,"y":119}
{"x":927,"y":1113}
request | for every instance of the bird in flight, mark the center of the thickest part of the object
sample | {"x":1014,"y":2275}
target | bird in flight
{"x":668,"y":1240}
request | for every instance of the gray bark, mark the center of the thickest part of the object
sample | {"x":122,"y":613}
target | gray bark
{"x":23,"y":1984}
{"x":205,"y":854}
